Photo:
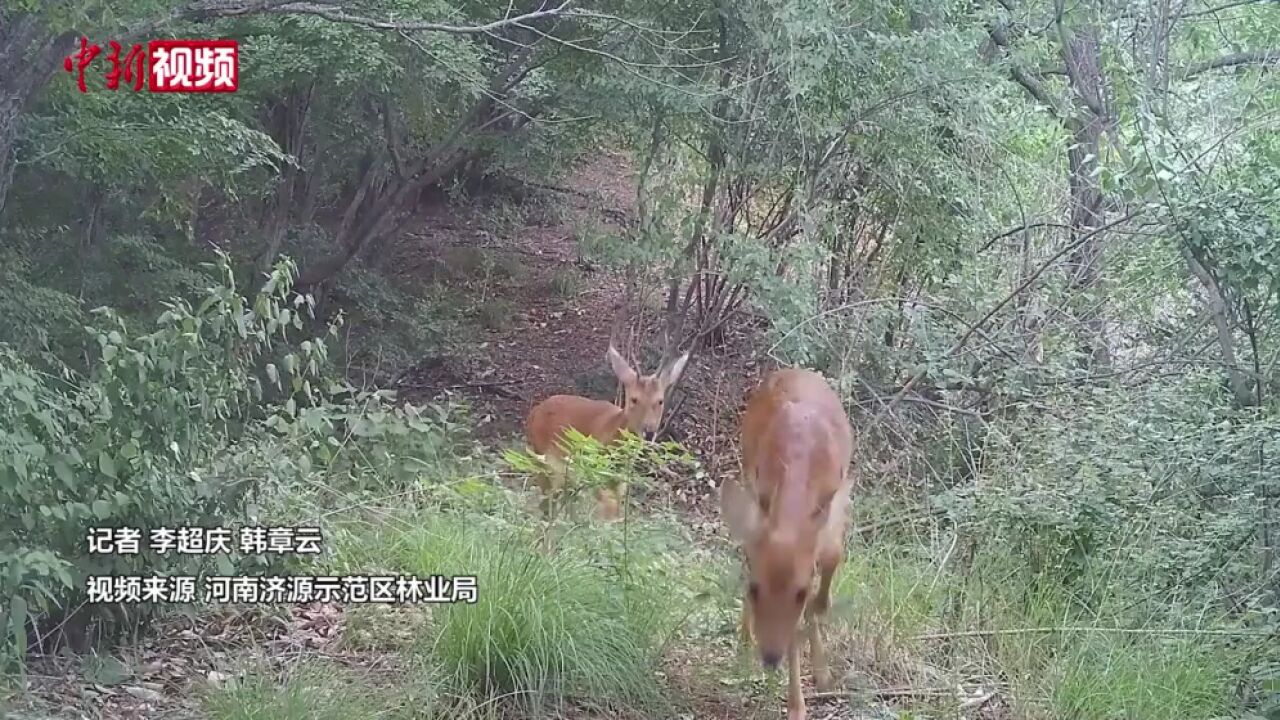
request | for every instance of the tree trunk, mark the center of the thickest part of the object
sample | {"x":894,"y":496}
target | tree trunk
{"x":28,"y":53}
{"x":294,"y":113}
{"x":1081,"y":53}
{"x":383,"y":196}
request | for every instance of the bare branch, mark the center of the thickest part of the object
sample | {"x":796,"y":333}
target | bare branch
{"x":1226,"y":632}
{"x":1220,"y":8}
{"x":329,"y":10}
{"x":1020,"y":229}
{"x":1028,"y":282}
{"x":1253,"y":57}
{"x":201,"y":10}
{"x":337,"y":14}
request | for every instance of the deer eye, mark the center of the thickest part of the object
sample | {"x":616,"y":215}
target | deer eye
{"x":800,"y":596}
{"x":753,"y":591}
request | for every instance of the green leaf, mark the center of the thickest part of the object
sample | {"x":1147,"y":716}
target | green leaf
{"x":101,"y":509}
{"x":107,"y":464}
{"x":18,"y":621}
{"x":63,"y":471}
{"x":223,"y":562}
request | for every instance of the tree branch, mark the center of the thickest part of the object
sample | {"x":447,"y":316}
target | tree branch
{"x":1026,"y":283}
{"x":1020,"y":229}
{"x":1251,"y":57}
{"x":1029,"y":82}
{"x":1073,"y":58}
{"x":329,"y":10}
{"x":337,"y":14}
{"x":1220,"y":8}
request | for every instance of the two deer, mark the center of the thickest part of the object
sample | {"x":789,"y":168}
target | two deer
{"x":787,"y":509}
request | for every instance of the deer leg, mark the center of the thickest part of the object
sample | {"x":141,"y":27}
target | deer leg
{"x":606,"y":505}
{"x":744,"y":628}
{"x":551,"y":484}
{"x":829,"y":559}
{"x":815,"y":613}
{"x":795,"y":696}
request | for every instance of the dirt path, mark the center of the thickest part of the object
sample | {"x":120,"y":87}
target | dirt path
{"x":559,"y":308}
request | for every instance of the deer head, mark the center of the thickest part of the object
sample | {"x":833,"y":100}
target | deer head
{"x":781,"y":550}
{"x":645,"y":395}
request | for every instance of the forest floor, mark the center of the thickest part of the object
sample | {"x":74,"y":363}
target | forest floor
{"x":560,"y":311}
{"x":542,"y":321}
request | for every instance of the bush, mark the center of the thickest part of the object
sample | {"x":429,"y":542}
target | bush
{"x":168,"y":429}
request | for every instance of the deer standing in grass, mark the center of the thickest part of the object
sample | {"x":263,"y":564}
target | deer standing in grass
{"x":641,"y":413}
{"x":788,"y":512}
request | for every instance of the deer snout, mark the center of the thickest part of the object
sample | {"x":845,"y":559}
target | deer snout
{"x":771,"y":658}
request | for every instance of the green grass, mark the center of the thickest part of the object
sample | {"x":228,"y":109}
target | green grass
{"x":322,"y":690}
{"x":895,"y":589}
{"x":496,"y":314}
{"x":584,"y":623}
{"x":891,"y":590}
{"x":1139,"y":677}
{"x":567,"y":282}
{"x":587,"y":624}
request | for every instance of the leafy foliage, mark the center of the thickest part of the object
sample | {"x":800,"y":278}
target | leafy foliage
{"x":1034,"y":245}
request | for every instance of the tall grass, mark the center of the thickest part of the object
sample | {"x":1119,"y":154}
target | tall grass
{"x":914,"y":610}
{"x":580,"y":624}
{"x":322,"y":690}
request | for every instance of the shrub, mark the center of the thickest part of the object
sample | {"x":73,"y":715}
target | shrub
{"x":167,"y":429}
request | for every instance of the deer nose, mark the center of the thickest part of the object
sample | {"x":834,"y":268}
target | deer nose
{"x":771,"y":660}
{"x":650,"y":435}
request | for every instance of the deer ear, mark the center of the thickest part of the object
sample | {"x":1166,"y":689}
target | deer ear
{"x":671,"y":373}
{"x":621,"y":369}
{"x":739,"y":511}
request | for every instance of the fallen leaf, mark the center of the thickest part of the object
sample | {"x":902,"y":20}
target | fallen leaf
{"x":142,"y":693}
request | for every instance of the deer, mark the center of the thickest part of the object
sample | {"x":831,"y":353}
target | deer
{"x":641,"y":413}
{"x":787,"y":511}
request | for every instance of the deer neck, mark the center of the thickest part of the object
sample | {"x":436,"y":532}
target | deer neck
{"x":612,"y":425}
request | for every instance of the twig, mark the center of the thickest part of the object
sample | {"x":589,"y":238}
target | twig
{"x":977,"y":702}
{"x":337,"y":15}
{"x":1078,"y":628}
{"x":493,"y":384}
{"x":896,"y":519}
{"x":1264,"y":58}
{"x":878,"y":692}
{"x":975,"y":327}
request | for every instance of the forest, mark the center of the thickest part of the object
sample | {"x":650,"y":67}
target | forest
{"x":1033,"y":246}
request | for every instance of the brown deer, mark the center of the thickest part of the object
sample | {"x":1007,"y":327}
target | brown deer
{"x":641,"y":413}
{"x":788,"y":513}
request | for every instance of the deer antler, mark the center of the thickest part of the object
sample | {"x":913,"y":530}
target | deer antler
{"x":619,"y":324}
{"x":670,"y":345}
